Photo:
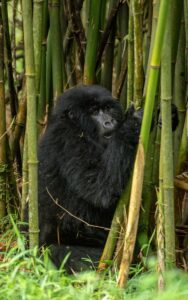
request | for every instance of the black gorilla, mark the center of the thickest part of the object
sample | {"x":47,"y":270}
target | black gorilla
{"x":85,"y":159}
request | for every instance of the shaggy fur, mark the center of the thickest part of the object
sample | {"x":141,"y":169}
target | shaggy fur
{"x":80,"y":179}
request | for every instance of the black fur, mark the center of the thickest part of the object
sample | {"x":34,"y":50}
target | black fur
{"x":80,"y":174}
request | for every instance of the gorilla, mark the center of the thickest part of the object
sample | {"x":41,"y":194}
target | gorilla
{"x":85,"y":159}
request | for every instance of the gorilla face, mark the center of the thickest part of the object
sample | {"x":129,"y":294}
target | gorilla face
{"x":94,"y":113}
{"x":104,"y":120}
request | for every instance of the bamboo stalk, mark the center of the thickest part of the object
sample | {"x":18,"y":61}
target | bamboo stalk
{"x":135,"y":200}
{"x":130,"y":66}
{"x":42,"y":94}
{"x":179,"y":93}
{"x":49,"y":80}
{"x":160,"y":228}
{"x":3,"y":158}
{"x":92,"y":42}
{"x":166,"y":141}
{"x":186,"y":52}
{"x":183,"y":151}
{"x":77,"y":29}
{"x":13,"y":36}
{"x":31,"y":123}
{"x":37,"y":38}
{"x":138,"y":56}
{"x":177,"y":11}
{"x":56,"y":51}
{"x":155,"y":15}
{"x":115,"y":228}
{"x":133,"y":217}
{"x":25,"y":179}
{"x":120,"y":87}
{"x":107,"y":70}
{"x":107,"y":30}
{"x":13,"y":95}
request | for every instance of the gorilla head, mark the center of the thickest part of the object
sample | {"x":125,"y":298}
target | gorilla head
{"x":92,"y":110}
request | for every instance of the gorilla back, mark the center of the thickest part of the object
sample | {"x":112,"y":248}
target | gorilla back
{"x":85,"y":159}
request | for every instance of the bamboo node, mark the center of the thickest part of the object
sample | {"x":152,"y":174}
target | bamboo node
{"x":168,"y":188}
{"x":52,"y":5}
{"x":155,"y":67}
{"x":181,"y":110}
{"x":30,"y":75}
{"x":20,"y":124}
{"x":167,"y":99}
{"x":38,"y":1}
{"x":138,"y":13}
{"x":34,"y":231}
{"x":31,"y":162}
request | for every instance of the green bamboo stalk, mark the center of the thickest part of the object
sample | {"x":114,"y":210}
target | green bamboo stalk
{"x":25,"y":179}
{"x":64,"y":26}
{"x":49,"y":85}
{"x":177,"y":11}
{"x":69,"y":53}
{"x":107,"y":30}
{"x":160,"y":227}
{"x":85,"y":15}
{"x":3,"y":158}
{"x":130,"y":74}
{"x":92,"y":42}
{"x":154,"y":73}
{"x":179,"y":93}
{"x":101,"y":32}
{"x":121,"y":59}
{"x":42,"y":95}
{"x":154,"y":25}
{"x":138,"y":52}
{"x":121,"y":82}
{"x":147,"y":34}
{"x":183,"y":151}
{"x":122,"y":31}
{"x":37,"y":38}
{"x":148,"y":196}
{"x":31,"y":123}
{"x":115,"y":228}
{"x":186,"y":49}
{"x":12,"y":194}
{"x":13,"y":35}
{"x":135,"y":200}
{"x":166,"y":141}
{"x":107,"y":72}
{"x":56,"y":51}
{"x":13,"y":95}
{"x":103,"y":15}
{"x":19,"y":123}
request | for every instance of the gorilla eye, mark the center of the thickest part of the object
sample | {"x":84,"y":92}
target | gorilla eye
{"x":70,"y":115}
{"x":107,"y":107}
{"x":93,"y":110}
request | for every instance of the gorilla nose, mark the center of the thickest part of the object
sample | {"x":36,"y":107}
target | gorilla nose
{"x":108,"y":124}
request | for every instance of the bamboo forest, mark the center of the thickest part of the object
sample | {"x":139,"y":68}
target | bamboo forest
{"x":94,"y":149}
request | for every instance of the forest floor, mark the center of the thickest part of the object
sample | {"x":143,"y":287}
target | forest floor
{"x":25,"y":275}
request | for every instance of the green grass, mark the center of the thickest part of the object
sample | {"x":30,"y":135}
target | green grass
{"x":28,"y":278}
{"x":24,"y":275}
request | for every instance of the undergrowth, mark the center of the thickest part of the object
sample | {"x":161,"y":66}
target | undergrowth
{"x":26,"y":275}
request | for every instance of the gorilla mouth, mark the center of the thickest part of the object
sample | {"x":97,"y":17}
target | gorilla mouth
{"x":108,"y":135}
